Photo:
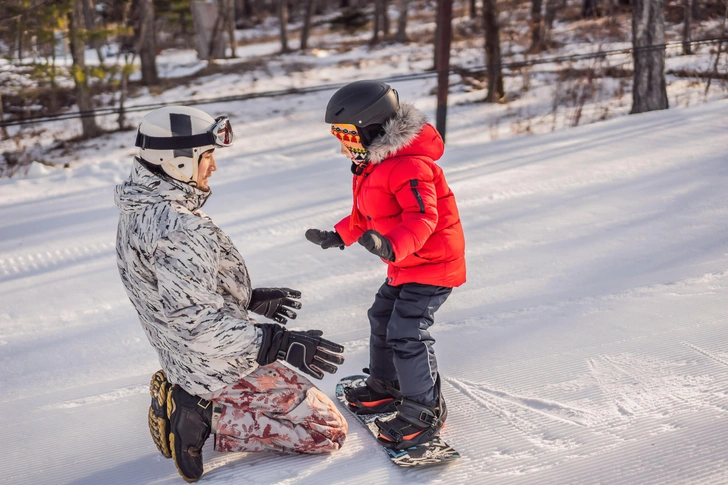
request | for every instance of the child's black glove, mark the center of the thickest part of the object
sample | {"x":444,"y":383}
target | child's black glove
{"x":325,"y":239}
{"x":306,"y":351}
{"x":273,"y":303}
{"x":377,"y":244}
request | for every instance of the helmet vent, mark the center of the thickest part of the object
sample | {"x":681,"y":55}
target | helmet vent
{"x":340,"y":111}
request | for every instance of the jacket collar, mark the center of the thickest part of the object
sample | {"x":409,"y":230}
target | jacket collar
{"x":144,"y":188}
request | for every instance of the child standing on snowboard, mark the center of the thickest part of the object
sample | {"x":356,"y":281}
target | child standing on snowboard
{"x":405,"y":213}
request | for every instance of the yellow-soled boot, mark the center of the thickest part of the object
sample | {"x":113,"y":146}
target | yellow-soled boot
{"x":158,"y":420}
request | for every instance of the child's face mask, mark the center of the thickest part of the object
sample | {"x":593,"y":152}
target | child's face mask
{"x":348,"y":136}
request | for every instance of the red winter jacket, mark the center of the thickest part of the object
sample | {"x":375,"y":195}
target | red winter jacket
{"x":404,"y":196}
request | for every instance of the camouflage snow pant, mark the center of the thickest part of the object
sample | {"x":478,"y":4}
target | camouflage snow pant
{"x":275,"y":408}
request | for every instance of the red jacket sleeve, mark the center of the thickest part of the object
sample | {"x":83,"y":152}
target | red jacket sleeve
{"x":413,"y":186}
{"x":349,"y":236}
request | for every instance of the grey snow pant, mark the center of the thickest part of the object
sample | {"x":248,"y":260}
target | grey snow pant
{"x":400,"y":346}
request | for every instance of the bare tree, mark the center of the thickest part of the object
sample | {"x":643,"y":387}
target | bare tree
{"x":90,"y":21}
{"x":227,"y":12}
{"x":385,"y":18}
{"x":309,"y":7}
{"x":283,"y":19}
{"x":649,"y":91}
{"x":537,"y":41}
{"x":590,"y":8}
{"x":472,"y":9}
{"x":4,"y":129}
{"x":377,"y":23}
{"x":77,"y":34}
{"x":552,"y":7}
{"x":496,"y":91}
{"x":686,"y":28}
{"x":720,"y":47}
{"x":401,"y":35}
{"x":146,"y":45}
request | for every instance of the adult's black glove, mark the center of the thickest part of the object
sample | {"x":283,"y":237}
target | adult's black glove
{"x":306,"y":351}
{"x":272,"y":303}
{"x":325,"y":239}
{"x":377,"y":244}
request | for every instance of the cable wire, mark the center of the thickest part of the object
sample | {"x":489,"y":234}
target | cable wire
{"x":326,"y":87}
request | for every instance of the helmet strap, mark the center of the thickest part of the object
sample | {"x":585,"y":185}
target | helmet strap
{"x":174,"y":172}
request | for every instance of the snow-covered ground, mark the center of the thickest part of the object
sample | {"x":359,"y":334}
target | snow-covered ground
{"x":589,"y":345}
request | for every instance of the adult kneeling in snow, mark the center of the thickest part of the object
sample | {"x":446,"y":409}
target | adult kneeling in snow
{"x":189,"y":284}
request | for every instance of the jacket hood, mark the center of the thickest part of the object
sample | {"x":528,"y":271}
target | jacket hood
{"x":407,"y":133}
{"x":144,"y":188}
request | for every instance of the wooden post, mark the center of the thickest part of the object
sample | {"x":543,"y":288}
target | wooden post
{"x":443,"y":63}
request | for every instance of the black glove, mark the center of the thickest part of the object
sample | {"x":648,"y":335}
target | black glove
{"x":306,"y":351}
{"x":377,"y":244}
{"x":272,"y":303}
{"x":325,"y":239}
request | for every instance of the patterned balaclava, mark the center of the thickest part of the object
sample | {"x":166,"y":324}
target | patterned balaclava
{"x":349,"y":137}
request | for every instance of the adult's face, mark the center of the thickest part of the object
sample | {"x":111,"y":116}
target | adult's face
{"x":205,"y":168}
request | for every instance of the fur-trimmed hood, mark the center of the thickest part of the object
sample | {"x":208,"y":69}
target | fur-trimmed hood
{"x":403,"y":131}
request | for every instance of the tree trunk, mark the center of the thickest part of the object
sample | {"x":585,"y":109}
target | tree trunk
{"x":146,"y":46}
{"x":240,"y":13}
{"x":385,"y":18}
{"x":4,"y":130}
{"x":401,"y":35}
{"x":310,"y":6}
{"x":20,"y":37}
{"x":434,"y":43}
{"x":590,"y":8}
{"x":472,"y":10}
{"x":496,"y":92}
{"x":227,"y":10}
{"x":215,"y":48}
{"x":283,"y":19}
{"x":536,"y":26}
{"x":686,"y":29}
{"x":649,"y":91}
{"x":90,"y":21}
{"x":695,"y":10}
{"x":80,"y":73}
{"x":444,"y":41}
{"x":126,"y":70}
{"x":378,"y":6}
{"x":720,"y":46}
{"x":52,"y":81}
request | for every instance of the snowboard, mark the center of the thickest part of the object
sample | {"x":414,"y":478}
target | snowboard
{"x":433,"y":452}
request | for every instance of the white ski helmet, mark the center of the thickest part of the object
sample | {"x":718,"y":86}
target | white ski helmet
{"x":174,"y":138}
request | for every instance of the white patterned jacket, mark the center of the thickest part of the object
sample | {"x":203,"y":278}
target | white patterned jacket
{"x":187,"y":281}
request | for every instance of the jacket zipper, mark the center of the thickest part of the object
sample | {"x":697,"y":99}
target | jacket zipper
{"x":413,"y":186}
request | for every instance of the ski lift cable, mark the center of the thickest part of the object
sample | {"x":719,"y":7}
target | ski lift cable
{"x":326,"y":87}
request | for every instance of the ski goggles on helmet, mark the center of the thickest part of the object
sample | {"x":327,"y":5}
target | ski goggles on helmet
{"x":220,"y":134}
{"x":348,"y":135}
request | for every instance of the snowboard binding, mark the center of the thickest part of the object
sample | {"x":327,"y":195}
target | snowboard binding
{"x":374,"y":397}
{"x":414,"y":423}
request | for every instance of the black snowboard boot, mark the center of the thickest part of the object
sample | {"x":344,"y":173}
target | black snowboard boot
{"x":413,"y":424}
{"x":375,"y":396}
{"x":158,"y":420}
{"x":190,"y":423}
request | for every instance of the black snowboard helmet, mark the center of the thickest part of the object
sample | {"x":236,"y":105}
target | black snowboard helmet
{"x":363,"y":104}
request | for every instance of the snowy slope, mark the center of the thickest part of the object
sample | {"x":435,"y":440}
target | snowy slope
{"x":590,"y":344}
